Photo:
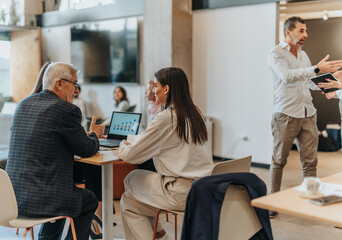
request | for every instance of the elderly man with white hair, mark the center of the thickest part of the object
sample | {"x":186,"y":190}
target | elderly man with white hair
{"x":46,"y":134}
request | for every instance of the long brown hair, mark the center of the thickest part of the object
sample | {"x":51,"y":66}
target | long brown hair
{"x":179,"y":98}
{"x":38,"y":86}
{"x":124,"y":96}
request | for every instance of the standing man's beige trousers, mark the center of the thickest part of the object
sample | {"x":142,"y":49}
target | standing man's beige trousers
{"x":146,"y":192}
{"x":285,"y":130}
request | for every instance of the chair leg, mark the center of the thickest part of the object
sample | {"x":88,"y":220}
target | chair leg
{"x":156,"y":224}
{"x":32,"y":235}
{"x":175,"y":226}
{"x":167,"y":217}
{"x":26,"y":230}
{"x":17,"y":231}
{"x":72,"y":228}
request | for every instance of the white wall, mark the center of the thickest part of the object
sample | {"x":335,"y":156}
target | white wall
{"x":231,"y":82}
{"x":99,"y":97}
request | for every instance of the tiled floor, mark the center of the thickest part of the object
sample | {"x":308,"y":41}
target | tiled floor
{"x":284,"y":227}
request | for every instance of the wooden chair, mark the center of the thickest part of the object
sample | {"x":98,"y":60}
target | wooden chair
{"x":230,"y":166}
{"x":9,"y":210}
{"x":235,"y":165}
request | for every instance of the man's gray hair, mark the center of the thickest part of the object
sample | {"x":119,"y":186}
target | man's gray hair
{"x":290,"y":23}
{"x":57,"y":71}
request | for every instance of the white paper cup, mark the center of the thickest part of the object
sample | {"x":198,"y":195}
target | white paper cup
{"x":311,"y":185}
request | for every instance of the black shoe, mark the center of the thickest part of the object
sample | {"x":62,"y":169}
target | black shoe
{"x":93,"y":235}
{"x":272,"y":214}
{"x":100,"y":222}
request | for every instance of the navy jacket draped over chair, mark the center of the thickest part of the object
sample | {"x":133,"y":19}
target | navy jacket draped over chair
{"x":203,"y":206}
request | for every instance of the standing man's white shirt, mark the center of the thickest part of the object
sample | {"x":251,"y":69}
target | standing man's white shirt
{"x":292,"y":82}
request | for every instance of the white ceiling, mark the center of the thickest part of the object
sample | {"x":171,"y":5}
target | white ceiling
{"x":310,"y":9}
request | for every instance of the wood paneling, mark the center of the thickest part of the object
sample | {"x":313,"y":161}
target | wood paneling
{"x":25,"y":62}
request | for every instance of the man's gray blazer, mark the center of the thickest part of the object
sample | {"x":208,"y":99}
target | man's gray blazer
{"x":46,"y":134}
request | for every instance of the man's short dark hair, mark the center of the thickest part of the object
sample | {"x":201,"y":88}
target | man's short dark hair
{"x":290,"y":23}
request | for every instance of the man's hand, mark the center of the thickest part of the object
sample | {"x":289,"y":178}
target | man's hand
{"x":326,"y":66}
{"x":97,"y":129}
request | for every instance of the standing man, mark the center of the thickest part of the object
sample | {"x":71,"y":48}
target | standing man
{"x":46,"y":134}
{"x":294,"y":116}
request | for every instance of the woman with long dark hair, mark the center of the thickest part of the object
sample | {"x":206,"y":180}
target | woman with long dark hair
{"x":177,"y":140}
{"x":121,"y":100}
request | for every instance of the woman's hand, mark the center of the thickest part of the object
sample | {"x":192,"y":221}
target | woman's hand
{"x":330,"y":95}
{"x":124,"y":142}
{"x":330,"y":84}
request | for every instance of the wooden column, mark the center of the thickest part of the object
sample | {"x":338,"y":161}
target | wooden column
{"x":25,"y":62}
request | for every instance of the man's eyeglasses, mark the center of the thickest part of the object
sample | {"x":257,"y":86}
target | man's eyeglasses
{"x":76,"y":84}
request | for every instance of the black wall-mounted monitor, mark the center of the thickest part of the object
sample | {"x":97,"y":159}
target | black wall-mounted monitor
{"x":106,"y":51}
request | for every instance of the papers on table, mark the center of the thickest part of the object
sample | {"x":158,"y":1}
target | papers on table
{"x":107,"y":148}
{"x":324,"y":188}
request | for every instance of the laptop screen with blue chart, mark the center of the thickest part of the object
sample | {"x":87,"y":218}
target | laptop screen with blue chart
{"x":124,"y":123}
{"x":121,"y":124}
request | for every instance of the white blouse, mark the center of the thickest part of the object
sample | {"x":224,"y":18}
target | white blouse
{"x":123,"y":106}
{"x":171,"y":155}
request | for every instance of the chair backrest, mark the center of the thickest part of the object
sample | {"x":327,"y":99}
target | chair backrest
{"x":238,"y":219}
{"x":8,"y":202}
{"x":5,"y":128}
{"x":236,"y":165}
{"x":131,"y":108}
{"x":9,"y":108}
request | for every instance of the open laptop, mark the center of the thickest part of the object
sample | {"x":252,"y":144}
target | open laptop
{"x":121,"y":124}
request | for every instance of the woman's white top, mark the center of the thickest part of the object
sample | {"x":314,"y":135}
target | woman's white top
{"x":123,"y":106}
{"x":171,"y":155}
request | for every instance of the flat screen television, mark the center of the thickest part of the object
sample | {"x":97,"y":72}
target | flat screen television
{"x":106,"y":51}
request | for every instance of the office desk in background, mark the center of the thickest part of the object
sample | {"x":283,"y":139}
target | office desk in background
{"x":106,"y":160}
{"x":288,"y":202}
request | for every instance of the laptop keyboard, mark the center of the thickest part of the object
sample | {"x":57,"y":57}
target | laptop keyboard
{"x":109,"y":142}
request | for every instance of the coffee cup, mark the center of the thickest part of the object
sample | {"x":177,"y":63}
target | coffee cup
{"x":311,"y":185}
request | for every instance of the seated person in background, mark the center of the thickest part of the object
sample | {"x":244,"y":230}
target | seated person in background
{"x":46,"y":134}
{"x":121,"y":102}
{"x":153,"y":107}
{"x":177,"y":140}
{"x":79,"y":102}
